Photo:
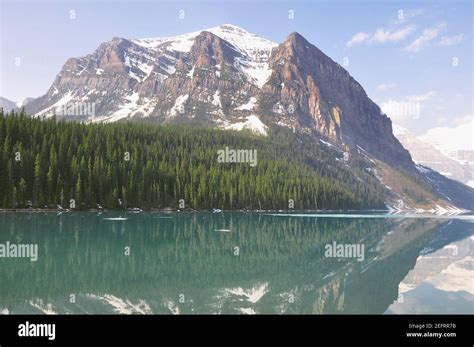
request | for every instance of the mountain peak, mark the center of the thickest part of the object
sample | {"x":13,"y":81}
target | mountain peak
{"x":232,"y":27}
{"x":240,"y":38}
{"x":296,"y":44}
{"x":295,"y":36}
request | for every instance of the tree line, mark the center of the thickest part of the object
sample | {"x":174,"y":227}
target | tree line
{"x":45,"y":162}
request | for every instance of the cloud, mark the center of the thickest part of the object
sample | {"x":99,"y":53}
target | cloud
{"x":385,"y":86}
{"x":357,"y":38}
{"x":451,"y":41}
{"x":420,"y":97}
{"x":425,"y":38}
{"x":381,"y":35}
{"x":452,"y":138}
{"x":462,"y":120}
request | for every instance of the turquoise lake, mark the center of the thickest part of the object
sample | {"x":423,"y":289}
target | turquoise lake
{"x":236,"y":263}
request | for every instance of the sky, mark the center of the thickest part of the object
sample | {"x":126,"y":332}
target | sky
{"x":413,"y":58}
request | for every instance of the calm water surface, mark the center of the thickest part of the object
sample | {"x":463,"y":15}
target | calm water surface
{"x":235,"y":263}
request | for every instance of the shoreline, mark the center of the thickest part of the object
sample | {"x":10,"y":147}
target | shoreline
{"x":217,"y":211}
{"x":169,"y":210}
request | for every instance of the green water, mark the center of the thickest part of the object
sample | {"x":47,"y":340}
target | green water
{"x":235,"y":263}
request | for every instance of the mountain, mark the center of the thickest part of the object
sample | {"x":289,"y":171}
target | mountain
{"x":450,"y":140}
{"x":165,"y":79}
{"x":457,"y":144}
{"x":228,"y":78}
{"x":20,"y":104}
{"x":223,"y":76}
{"x":458,"y":165}
{"x":7,"y":105}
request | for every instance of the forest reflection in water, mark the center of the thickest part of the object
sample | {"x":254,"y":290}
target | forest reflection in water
{"x":233,"y":263}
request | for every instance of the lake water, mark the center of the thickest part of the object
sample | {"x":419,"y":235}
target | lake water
{"x":235,"y":263}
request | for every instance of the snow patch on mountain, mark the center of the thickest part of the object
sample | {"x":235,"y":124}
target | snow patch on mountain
{"x":123,"y":306}
{"x":178,"y":106}
{"x":252,"y":295}
{"x":125,"y":110}
{"x":191,"y":72}
{"x":248,"y":106}
{"x":180,"y":43}
{"x":216,"y":100}
{"x":252,"y":123}
{"x":255,"y":51}
{"x":247,"y":43}
{"x":136,"y":66}
{"x":258,"y":71}
{"x":51,"y":110}
{"x":43,"y":307}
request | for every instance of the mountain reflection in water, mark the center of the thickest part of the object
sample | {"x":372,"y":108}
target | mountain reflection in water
{"x":235,"y":263}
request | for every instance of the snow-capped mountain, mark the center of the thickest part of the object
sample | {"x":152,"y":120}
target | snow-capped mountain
{"x":449,"y":163}
{"x":450,"y":140}
{"x":457,"y":143}
{"x":225,"y":77}
{"x":254,"y":49}
{"x":161,"y":78}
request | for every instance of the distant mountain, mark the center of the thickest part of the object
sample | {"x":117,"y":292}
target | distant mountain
{"x":458,"y":165}
{"x":450,"y":140}
{"x":20,"y":104}
{"x":229,"y":78}
{"x":6,"y":104}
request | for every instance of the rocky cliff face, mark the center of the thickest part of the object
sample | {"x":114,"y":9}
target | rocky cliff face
{"x":207,"y":86}
{"x":311,"y":92}
{"x":119,"y":78}
{"x":223,"y":77}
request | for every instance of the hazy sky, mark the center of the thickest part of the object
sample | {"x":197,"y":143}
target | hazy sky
{"x":415,"y":54}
